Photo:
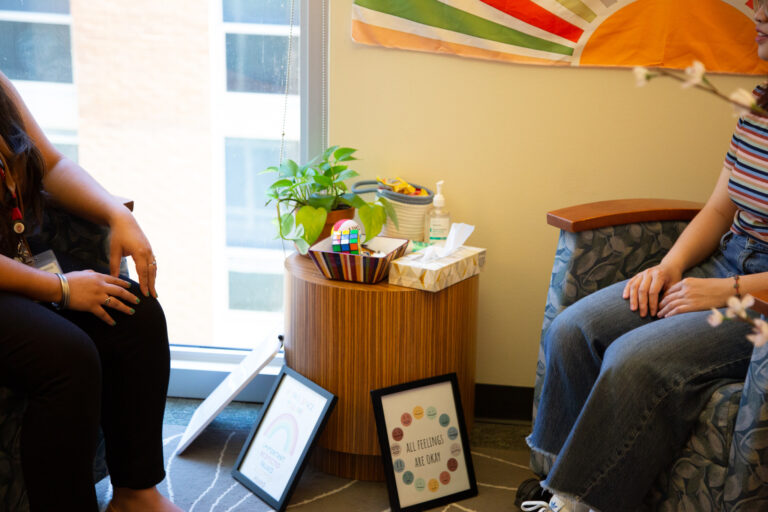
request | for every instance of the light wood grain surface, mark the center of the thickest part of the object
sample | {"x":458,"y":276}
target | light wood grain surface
{"x":351,"y":338}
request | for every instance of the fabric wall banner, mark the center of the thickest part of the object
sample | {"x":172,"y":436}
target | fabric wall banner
{"x":653,"y":33}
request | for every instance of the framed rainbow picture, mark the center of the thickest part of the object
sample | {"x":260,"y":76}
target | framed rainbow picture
{"x":276,"y":451}
{"x":424,"y":443}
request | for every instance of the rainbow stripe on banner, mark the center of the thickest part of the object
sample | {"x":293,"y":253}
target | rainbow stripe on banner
{"x":663,"y":33}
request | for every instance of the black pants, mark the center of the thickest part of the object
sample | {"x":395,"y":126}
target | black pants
{"x":77,"y":373}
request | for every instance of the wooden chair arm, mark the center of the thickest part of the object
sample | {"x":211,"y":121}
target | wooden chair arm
{"x":761,"y":302}
{"x":621,"y":211}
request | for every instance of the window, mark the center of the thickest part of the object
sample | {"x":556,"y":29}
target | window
{"x":179,"y":106}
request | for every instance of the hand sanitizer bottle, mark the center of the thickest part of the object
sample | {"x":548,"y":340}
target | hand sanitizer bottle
{"x":437,"y":221}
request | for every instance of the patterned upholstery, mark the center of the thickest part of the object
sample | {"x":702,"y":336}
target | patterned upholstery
{"x":724,"y":465}
{"x":61,"y":232}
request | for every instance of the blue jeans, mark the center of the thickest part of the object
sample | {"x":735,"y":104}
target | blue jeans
{"x":622,"y":393}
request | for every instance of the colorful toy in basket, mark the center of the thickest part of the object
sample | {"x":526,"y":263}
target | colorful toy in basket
{"x":345,"y":237}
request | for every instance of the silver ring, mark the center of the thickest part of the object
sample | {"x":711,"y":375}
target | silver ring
{"x":107,"y":301}
{"x":154,"y":263}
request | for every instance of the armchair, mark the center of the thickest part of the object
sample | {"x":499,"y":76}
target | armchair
{"x":65,"y":233}
{"x":724,"y":464}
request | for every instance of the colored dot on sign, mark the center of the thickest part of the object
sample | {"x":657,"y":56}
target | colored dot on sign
{"x":419,"y":484}
{"x":399,"y":465}
{"x":453,"y":433}
{"x":431,"y":413}
{"x":407,"y":478}
{"x":444,"y":420}
{"x":433,"y":485}
{"x":418,"y":412}
{"x":455,"y":449}
{"x":445,"y":478}
{"x":406,"y":419}
{"x":397,"y":434}
{"x":452,"y":464}
{"x":395,"y":449}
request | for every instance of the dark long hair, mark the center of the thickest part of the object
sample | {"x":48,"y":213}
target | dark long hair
{"x":27,"y":167}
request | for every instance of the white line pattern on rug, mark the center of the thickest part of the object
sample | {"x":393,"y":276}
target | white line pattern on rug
{"x":216,"y":503}
{"x":501,"y":460}
{"x":498,"y":486}
{"x":230,"y":509}
{"x":171,"y":438}
{"x":324,"y":495}
{"x":168,"y":473}
{"x":216,"y":476}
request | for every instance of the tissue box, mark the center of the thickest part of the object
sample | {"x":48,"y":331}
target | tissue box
{"x":437,"y":274}
{"x":357,"y":267}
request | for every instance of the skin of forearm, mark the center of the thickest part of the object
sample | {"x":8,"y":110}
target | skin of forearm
{"x":17,"y":277}
{"x":699,"y":239}
{"x":74,"y":189}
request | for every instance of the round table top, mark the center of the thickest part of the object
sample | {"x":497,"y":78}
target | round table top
{"x":302,"y":267}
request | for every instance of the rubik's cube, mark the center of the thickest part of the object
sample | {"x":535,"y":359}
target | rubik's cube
{"x":345,"y":237}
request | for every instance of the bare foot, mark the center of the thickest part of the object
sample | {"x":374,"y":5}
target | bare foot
{"x":140,"y":500}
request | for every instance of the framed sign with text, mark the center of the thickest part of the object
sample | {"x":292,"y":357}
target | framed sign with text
{"x":278,"y":446}
{"x":424,"y":443}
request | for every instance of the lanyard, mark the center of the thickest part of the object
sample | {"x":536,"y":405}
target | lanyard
{"x":17,"y":215}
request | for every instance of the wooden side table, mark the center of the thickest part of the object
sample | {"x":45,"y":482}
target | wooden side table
{"x":351,"y":338}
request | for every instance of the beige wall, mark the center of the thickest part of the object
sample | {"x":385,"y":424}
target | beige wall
{"x":513,"y":142}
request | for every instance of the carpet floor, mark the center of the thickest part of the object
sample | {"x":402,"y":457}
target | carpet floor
{"x":200,"y":479}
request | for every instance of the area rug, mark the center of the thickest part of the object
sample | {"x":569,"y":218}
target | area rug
{"x":200,"y":479}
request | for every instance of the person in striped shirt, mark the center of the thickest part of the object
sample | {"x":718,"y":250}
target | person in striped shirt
{"x":630,"y":367}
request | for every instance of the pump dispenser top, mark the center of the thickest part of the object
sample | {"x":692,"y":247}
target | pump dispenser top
{"x":438,"y":220}
{"x":439,"y":200}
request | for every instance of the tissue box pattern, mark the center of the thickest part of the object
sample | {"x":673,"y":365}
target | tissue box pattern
{"x":441,"y":273}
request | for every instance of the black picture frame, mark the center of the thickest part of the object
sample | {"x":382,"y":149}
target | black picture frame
{"x":424,"y":443}
{"x":278,"y":446}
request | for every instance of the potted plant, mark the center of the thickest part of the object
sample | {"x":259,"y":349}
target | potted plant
{"x":310,"y":198}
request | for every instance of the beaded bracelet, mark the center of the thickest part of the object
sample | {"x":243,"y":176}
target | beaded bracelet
{"x":736,"y":286}
{"x":64,"y":302}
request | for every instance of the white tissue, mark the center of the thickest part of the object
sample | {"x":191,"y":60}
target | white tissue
{"x":456,"y":237}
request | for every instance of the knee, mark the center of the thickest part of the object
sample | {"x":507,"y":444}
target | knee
{"x":566,"y":336}
{"x":69,"y":371}
{"x":145,"y":332}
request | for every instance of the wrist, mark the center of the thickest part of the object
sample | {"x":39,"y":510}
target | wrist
{"x":119,"y":214}
{"x":62,"y":303}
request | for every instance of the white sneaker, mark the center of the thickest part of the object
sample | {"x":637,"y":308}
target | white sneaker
{"x":555,"y":505}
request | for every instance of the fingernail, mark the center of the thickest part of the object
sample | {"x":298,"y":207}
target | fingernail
{"x":146,"y":294}
{"x":138,"y":300}
{"x":113,"y":323}
{"x":133,"y":311}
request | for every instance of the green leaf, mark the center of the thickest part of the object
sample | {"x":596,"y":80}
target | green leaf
{"x":321,"y":201}
{"x":328,"y":152}
{"x":353,"y":200}
{"x":345,"y":175}
{"x":269,"y":169}
{"x":301,"y":245}
{"x":323,"y":181}
{"x":289,"y":168}
{"x":286,"y":224}
{"x":313,"y":220}
{"x":281,"y":183}
{"x":344,"y":154}
{"x":373,"y":217}
{"x":389,"y":209}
